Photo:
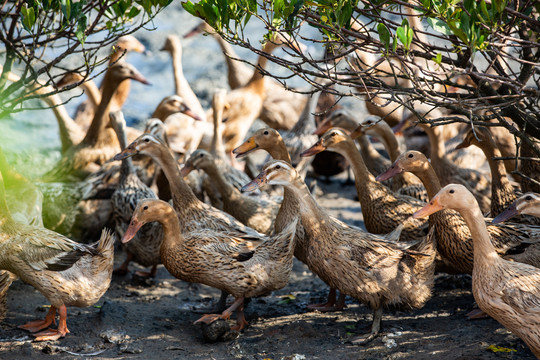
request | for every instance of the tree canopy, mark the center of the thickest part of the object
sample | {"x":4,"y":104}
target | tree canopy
{"x":476,"y":59}
{"x":42,"y":40}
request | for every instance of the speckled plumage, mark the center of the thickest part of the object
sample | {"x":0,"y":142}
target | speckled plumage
{"x":454,"y":241}
{"x":368,"y":267}
{"x":257,"y":213}
{"x":130,"y":191}
{"x":382,"y":209}
{"x":508,"y":291}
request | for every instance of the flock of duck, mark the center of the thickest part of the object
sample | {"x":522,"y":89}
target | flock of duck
{"x":224,"y":228}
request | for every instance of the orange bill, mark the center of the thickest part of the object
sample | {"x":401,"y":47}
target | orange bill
{"x":256,"y":183}
{"x":125,"y":154}
{"x":315,"y":149}
{"x":429,"y":209}
{"x":131,"y":231}
{"x":391,"y":172}
{"x":186,"y":170}
{"x":245,"y":148}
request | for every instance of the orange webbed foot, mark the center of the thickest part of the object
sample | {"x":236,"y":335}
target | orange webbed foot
{"x":210,"y":318}
{"x":50,"y":334}
{"x":37,"y":325}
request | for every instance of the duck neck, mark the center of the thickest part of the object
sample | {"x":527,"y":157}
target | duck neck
{"x":280,"y":152}
{"x":436,"y":144}
{"x":390,"y":142}
{"x":92,"y":91}
{"x":499,"y":180}
{"x":484,"y":251}
{"x":359,"y":168}
{"x":217,"y":148}
{"x":183,"y":197}
{"x":367,"y":149}
{"x":66,"y":125}
{"x":306,"y":123}
{"x":127,"y":167}
{"x":312,"y":215}
{"x":224,"y":187}
{"x":430,"y":180}
{"x":256,"y":83}
{"x":98,"y":123}
{"x":172,"y":234}
{"x":182,"y":86}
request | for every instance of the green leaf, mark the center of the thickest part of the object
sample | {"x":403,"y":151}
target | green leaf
{"x":410,"y":35}
{"x":439,"y":26}
{"x":81,"y":27}
{"x":29,"y":17}
{"x":384,"y":35}
{"x":437,"y":59}
{"x":66,"y":8}
{"x":400,"y":32}
{"x":134,"y":11}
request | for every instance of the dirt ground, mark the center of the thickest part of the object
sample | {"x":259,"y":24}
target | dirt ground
{"x":154,"y":319}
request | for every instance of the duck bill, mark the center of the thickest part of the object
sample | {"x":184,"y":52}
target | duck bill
{"x":192,"y":114}
{"x":131,"y":231}
{"x":462,"y":145}
{"x":256,"y":183}
{"x":315,"y":149}
{"x":245,"y":148}
{"x":323,"y":127}
{"x":359,"y":131}
{"x":429,"y":209}
{"x":141,"y":79}
{"x":401,"y":126}
{"x":195,"y":31}
{"x":186,"y":170}
{"x":506,"y":214}
{"x":391,"y":172}
{"x":125,"y":154}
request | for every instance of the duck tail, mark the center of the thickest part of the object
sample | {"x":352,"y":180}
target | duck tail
{"x":105,"y":245}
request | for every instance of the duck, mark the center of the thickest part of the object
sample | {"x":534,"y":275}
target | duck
{"x":528,"y":203}
{"x":383,"y":210}
{"x":172,"y":104}
{"x":193,"y":213}
{"x":403,"y":183}
{"x":281,"y":107}
{"x":6,"y":278}
{"x":454,"y":241}
{"x":245,"y":103}
{"x":217,"y":258}
{"x":371,"y":268}
{"x":529,"y":166}
{"x":270,"y":140}
{"x":448,"y":172}
{"x":502,"y":192}
{"x":99,"y":144}
{"x":144,"y":248}
{"x":67,"y":273}
{"x":85,"y":111}
{"x":257,"y":213}
{"x":174,"y":47}
{"x":345,"y":120}
{"x":507,"y":291}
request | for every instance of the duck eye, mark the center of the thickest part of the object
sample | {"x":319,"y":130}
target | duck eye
{"x":334,"y":134}
{"x":278,"y":167}
{"x":146,"y":140}
{"x":145,"y":208}
{"x":201,"y":155}
{"x":411,"y":156}
{"x":266,"y":132}
{"x":368,"y":122}
{"x":529,"y":197}
{"x":451,"y":191}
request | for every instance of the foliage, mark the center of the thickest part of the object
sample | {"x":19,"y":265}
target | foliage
{"x":44,"y":39}
{"x":473,"y":58}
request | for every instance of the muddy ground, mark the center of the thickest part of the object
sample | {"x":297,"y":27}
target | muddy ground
{"x":154,"y":320}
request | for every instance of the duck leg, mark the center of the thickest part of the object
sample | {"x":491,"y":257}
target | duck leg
{"x":147,"y":274}
{"x":477,"y":314}
{"x":52,"y":334}
{"x":123,"y":269}
{"x":210,"y":318}
{"x":375,"y":328}
{"x":330,"y":305}
{"x":35,"y":326}
{"x":241,"y":321}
